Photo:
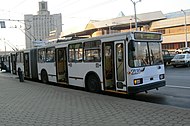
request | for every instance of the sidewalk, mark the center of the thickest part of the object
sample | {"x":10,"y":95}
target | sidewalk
{"x":35,"y":104}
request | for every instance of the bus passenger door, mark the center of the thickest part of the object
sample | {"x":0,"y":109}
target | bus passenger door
{"x":108,"y":66}
{"x":13,"y":58}
{"x":26,"y":65}
{"x":119,"y":65}
{"x":62,"y":70}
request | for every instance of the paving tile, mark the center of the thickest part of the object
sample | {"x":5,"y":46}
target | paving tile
{"x":36,"y":104}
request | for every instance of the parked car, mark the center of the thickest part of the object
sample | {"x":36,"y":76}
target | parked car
{"x":167,"y":56}
{"x":181,"y":59}
{"x":183,"y":50}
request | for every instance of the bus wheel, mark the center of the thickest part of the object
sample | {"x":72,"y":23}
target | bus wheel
{"x":44,"y":77}
{"x":93,"y":83}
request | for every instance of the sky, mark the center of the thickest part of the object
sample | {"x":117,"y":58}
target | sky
{"x":75,"y":14}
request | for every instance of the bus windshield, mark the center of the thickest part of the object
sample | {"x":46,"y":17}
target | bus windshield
{"x":144,"y":54}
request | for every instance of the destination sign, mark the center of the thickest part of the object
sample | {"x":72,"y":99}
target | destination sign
{"x":147,"y":36}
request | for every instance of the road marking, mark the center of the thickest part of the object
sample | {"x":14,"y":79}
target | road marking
{"x":178,"y":86}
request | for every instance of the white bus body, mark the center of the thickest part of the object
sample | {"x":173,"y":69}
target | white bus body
{"x":128,"y":62}
{"x":113,"y":69}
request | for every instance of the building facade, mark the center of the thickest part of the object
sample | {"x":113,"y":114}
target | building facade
{"x":38,"y":27}
{"x":174,"y":30}
{"x":171,"y":25}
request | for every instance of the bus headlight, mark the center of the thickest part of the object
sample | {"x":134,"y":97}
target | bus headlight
{"x":138,"y":81}
{"x":161,"y":76}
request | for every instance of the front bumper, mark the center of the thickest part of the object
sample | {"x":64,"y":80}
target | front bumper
{"x":146,"y":87}
{"x":179,"y":63}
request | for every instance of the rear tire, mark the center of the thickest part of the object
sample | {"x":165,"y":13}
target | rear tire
{"x":93,"y":83}
{"x":44,"y":77}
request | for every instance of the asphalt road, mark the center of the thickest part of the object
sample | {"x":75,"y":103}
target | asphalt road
{"x":175,"y":93}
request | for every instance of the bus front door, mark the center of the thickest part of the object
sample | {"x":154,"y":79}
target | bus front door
{"x":114,"y":66}
{"x":108,"y":66}
{"x":62,"y":70}
{"x":119,"y":65}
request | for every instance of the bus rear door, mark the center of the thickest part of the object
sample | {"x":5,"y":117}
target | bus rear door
{"x":13,"y":60}
{"x":26,"y":65}
{"x":62,"y":70}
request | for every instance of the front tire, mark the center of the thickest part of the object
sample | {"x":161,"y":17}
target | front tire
{"x":93,"y":83}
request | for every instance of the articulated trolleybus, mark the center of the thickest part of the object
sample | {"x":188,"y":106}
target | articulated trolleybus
{"x":128,"y":62}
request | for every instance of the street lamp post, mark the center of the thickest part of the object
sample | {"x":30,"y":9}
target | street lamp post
{"x":185,"y":28}
{"x":134,"y":3}
{"x":130,"y":23}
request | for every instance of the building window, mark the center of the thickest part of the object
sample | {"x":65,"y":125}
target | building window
{"x":171,"y":46}
{"x":43,"y":6}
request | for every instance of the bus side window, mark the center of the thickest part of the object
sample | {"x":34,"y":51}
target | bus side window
{"x":18,"y":57}
{"x":41,"y":55}
{"x":75,"y":52}
{"x":50,"y":54}
{"x":92,"y":51}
